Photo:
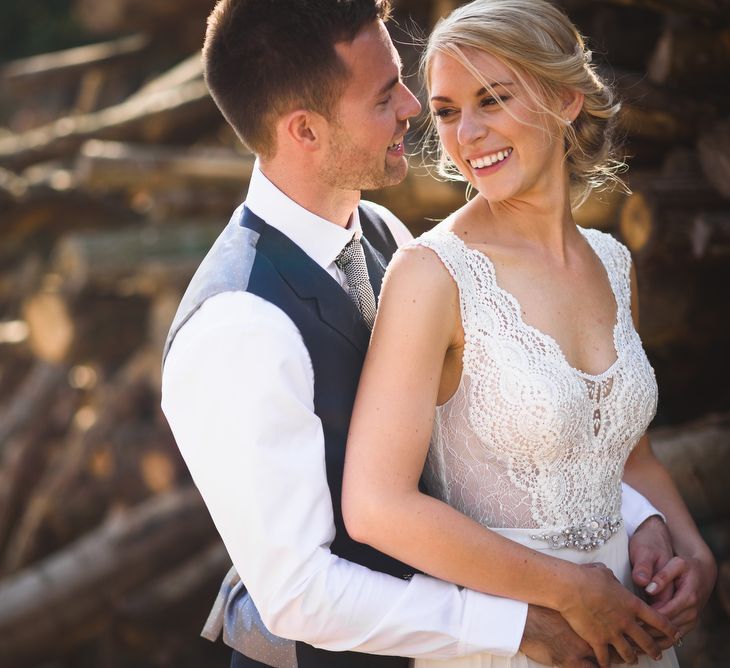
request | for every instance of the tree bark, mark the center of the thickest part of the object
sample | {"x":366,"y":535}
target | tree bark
{"x":155,"y":118}
{"x":673,"y":217}
{"x":134,"y":260}
{"x":689,"y":57}
{"x":66,"y":599}
{"x":103,"y":166}
{"x":694,"y":453}
{"x":714,"y":153}
{"x":173,"y":588}
{"x":69,"y":329}
{"x":60,"y":67}
{"x":708,"y":9}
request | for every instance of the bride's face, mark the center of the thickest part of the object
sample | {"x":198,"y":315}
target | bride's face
{"x":505,"y":152}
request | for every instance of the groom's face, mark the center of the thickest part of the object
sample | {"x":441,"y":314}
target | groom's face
{"x":367,"y":132}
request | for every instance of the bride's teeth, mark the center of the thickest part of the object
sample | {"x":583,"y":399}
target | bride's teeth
{"x":488,"y":160}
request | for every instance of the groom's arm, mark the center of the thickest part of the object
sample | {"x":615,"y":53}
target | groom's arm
{"x":238,"y":393}
{"x":636,"y":509}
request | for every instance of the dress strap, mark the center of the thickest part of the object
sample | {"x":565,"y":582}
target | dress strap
{"x":451,"y":251}
{"x":616,"y":258}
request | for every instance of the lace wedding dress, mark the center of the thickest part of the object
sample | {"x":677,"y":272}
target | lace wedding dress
{"x":528,"y":445}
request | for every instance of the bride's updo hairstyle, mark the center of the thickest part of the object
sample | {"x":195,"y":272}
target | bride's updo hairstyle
{"x":546,"y":54}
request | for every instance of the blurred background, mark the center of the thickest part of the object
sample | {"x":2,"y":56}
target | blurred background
{"x":116,"y":174}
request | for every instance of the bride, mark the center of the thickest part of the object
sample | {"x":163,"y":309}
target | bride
{"x":505,"y":363}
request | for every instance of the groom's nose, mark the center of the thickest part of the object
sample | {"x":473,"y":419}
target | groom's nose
{"x":409,"y":106}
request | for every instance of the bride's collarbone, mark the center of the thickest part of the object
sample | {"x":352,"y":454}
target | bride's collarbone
{"x":574,"y":306}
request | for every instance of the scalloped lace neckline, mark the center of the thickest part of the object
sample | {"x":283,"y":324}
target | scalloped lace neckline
{"x":547,"y":338}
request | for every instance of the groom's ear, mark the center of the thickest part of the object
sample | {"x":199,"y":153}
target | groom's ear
{"x":303,"y":128}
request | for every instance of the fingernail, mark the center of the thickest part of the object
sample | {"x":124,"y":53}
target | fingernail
{"x":642,"y":574}
{"x":651,"y":588}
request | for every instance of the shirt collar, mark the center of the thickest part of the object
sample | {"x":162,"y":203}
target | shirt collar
{"x":321,"y":239}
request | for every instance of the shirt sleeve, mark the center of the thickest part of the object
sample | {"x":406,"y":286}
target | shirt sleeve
{"x":238,"y":393}
{"x":635,"y":509}
{"x":400,"y":232}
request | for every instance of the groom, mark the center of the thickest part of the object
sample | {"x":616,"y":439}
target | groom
{"x":264,"y":355}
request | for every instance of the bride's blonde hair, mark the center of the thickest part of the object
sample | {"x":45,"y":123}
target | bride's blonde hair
{"x":547,"y":55}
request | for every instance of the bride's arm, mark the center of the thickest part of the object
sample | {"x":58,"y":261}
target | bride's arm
{"x":694,"y":571}
{"x":418,"y":325}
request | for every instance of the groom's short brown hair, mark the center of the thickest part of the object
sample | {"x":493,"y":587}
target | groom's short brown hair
{"x":263,"y":58}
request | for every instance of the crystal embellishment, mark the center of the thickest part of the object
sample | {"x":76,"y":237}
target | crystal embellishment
{"x":589,"y":536}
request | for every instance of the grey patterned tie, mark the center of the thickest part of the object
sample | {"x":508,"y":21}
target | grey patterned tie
{"x":352,"y":261}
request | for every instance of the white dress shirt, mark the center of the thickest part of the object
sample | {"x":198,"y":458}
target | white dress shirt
{"x":238,"y":392}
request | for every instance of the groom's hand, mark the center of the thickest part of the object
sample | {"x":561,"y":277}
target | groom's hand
{"x":692,"y":580}
{"x":677,"y":586}
{"x":650,"y":550}
{"x":549,"y":639}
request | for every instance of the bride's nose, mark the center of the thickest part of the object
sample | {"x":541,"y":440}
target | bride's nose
{"x":471,"y":128}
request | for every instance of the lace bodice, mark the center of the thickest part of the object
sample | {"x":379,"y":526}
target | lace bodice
{"x":527,"y":440}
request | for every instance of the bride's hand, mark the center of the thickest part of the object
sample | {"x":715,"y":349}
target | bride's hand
{"x":603,"y":612}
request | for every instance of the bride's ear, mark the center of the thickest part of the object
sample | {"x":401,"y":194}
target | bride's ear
{"x":571,"y":104}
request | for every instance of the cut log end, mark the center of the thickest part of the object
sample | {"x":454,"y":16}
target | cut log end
{"x":50,"y":325}
{"x":636,"y":222}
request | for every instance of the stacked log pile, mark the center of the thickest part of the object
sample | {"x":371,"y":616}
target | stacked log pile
{"x":116,"y":174}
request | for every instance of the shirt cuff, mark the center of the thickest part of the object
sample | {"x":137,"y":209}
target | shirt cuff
{"x":492,"y":624}
{"x":636,"y":509}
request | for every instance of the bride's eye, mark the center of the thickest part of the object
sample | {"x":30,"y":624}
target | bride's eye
{"x":494,"y":101}
{"x":443,"y":112}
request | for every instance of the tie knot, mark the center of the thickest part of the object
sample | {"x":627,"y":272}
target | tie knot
{"x":351,"y":262}
{"x":350,"y":252}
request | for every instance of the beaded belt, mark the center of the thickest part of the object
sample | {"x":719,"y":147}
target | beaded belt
{"x":589,"y":536}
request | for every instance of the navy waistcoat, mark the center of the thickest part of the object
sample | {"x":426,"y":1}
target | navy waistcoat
{"x":336,"y":337}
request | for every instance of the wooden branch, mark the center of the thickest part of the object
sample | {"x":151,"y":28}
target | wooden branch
{"x":59,"y":67}
{"x":714,"y":154}
{"x":668,"y":216}
{"x":114,"y":400}
{"x":35,"y":220}
{"x":695,"y":454}
{"x":25,"y":454}
{"x":710,"y":9}
{"x":69,"y":597}
{"x":115,"y":16}
{"x":691,"y":57}
{"x":12,"y":188}
{"x":188,"y":70}
{"x":103,"y":166}
{"x":651,"y":113}
{"x":155,"y":118}
{"x":69,"y":329}
{"x":133,"y":260}
{"x":175,"y":587}
{"x":32,"y":399}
